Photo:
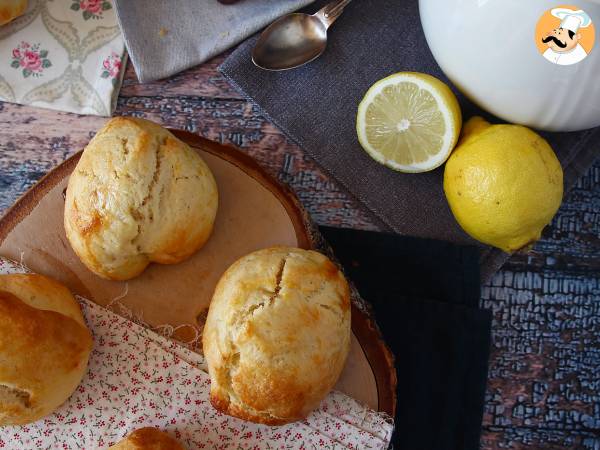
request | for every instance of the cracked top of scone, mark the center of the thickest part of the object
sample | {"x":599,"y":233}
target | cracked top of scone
{"x":277,"y":335}
{"x":138,"y":195}
{"x":44,"y":347}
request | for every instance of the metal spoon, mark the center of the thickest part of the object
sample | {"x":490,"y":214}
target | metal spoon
{"x":296,"y":39}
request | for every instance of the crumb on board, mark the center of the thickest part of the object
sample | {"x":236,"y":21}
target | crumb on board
{"x":163,"y":32}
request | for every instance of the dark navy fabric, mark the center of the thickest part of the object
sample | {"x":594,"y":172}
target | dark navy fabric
{"x":424,"y":296}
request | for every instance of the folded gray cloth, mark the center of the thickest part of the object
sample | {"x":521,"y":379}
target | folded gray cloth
{"x":315,"y":106}
{"x":166,"y":37}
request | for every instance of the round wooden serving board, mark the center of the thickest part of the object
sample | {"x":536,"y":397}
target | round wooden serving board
{"x":255,"y":212}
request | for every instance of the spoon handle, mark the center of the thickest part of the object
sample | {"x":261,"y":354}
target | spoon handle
{"x":330,"y":12}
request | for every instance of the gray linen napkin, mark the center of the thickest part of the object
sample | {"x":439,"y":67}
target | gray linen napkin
{"x":166,"y":37}
{"x":315,"y":106}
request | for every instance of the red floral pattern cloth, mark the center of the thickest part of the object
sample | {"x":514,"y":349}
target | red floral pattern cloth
{"x":138,"y":378}
{"x":66,"y":55}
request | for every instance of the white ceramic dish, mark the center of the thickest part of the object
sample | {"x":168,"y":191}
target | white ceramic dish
{"x":488,"y":49}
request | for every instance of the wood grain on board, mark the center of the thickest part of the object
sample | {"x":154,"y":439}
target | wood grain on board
{"x":544,"y":381}
{"x":252,"y":203}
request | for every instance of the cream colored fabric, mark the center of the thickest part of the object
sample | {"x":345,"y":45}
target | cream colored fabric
{"x":168,"y":388}
{"x":44,"y":347}
{"x":138,"y":195}
{"x":277,"y":335}
{"x":66,"y":55}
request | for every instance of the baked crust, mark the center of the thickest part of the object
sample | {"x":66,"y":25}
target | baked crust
{"x":42,"y":292}
{"x":11,"y":9}
{"x":148,"y":438}
{"x":277,"y":335}
{"x":138,"y":195}
{"x":44,"y":347}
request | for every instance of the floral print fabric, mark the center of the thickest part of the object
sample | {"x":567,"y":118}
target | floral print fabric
{"x":111,"y":68}
{"x":138,"y":378}
{"x":30,"y":59}
{"x":91,"y":9}
{"x":63,"y":54}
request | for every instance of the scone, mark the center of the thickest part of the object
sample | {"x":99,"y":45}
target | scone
{"x":44,"y":347}
{"x":11,"y":9}
{"x":147,"y":439}
{"x":138,"y":195}
{"x":277,"y":335}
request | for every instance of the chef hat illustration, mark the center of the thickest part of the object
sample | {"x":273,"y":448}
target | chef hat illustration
{"x":572,"y":20}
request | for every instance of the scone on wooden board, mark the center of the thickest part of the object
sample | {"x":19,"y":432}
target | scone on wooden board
{"x":148,"y":438}
{"x":277,"y":335}
{"x":11,"y":9}
{"x":44,"y":347}
{"x":138,"y":195}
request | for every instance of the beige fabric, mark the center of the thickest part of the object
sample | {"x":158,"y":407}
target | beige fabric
{"x":64,"y":55}
{"x":44,"y":347}
{"x":148,"y":438}
{"x":138,"y":195}
{"x":277,"y":335}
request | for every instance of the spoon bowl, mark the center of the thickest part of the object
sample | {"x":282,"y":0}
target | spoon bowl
{"x":295,"y":39}
{"x":290,"y":42}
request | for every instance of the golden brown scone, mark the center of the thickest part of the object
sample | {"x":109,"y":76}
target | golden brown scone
{"x":11,"y":9}
{"x":138,"y":195}
{"x":277,"y":335}
{"x":44,"y":347}
{"x":148,"y":439}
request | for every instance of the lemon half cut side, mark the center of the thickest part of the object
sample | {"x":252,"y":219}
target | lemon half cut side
{"x":409,"y":122}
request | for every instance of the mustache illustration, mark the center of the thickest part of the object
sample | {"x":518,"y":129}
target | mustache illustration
{"x":556,"y":41}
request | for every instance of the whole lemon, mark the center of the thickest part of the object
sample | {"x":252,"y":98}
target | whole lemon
{"x":503,"y":183}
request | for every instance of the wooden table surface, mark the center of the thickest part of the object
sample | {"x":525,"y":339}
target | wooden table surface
{"x":544,"y":374}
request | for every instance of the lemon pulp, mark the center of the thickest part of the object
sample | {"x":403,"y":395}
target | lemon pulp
{"x":409,"y":121}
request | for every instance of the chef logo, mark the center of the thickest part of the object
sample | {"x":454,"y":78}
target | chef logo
{"x":565,"y":35}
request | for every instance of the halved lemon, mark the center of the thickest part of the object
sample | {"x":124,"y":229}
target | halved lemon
{"x":409,"y":122}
